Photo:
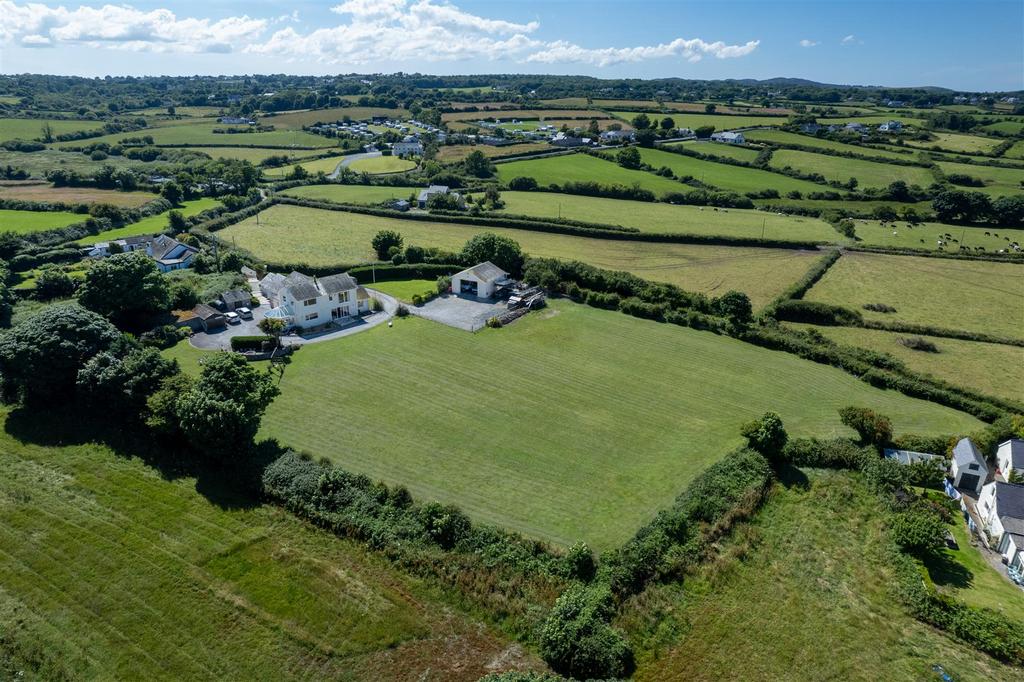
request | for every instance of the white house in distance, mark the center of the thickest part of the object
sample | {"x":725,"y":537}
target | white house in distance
{"x":728,"y":138}
{"x":480,"y":280}
{"x":1001,"y":507}
{"x":968,"y":467}
{"x":307,"y":302}
{"x":1010,"y":458}
{"x":424,"y":195}
{"x":407,"y":149}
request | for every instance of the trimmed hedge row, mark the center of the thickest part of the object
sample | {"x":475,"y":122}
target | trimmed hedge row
{"x":803,"y":285}
{"x":928,"y":330}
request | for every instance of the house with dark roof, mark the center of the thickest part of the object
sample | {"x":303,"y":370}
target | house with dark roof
{"x":208,"y":318}
{"x":968,"y":467}
{"x":1001,"y":507}
{"x":170,"y":254}
{"x":481,"y":280}
{"x":307,"y":302}
{"x":1010,"y":459}
{"x":235,"y":299}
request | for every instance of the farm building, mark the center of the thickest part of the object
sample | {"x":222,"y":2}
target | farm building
{"x":424,"y":195}
{"x":617,"y":136}
{"x":728,"y":138}
{"x":1010,"y":458}
{"x":968,"y":468}
{"x":569,"y":141}
{"x":908,"y":457}
{"x":306,"y":302}
{"x":890,"y":127}
{"x":480,"y":280}
{"x":1001,"y":506}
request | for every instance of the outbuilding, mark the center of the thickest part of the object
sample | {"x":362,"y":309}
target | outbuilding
{"x":480,"y":280}
{"x":968,"y":467}
{"x":235,"y":299}
{"x":209,"y":318}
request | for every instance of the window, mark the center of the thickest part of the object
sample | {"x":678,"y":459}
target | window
{"x":973,"y":467}
{"x":312,"y":316}
{"x":342,"y":297}
{"x":309,"y":301}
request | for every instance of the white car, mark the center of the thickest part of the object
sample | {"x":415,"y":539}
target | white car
{"x":232,"y":318}
{"x":244,"y":313}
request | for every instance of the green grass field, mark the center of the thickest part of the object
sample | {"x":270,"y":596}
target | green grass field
{"x":660,"y":217}
{"x":152,"y":224}
{"x":734,"y":178}
{"x":26,"y":222}
{"x":783,"y":138}
{"x":728,"y":151}
{"x":927,"y":235}
{"x":872,"y":119}
{"x":32,"y":128}
{"x":113,"y":570}
{"x":868,"y":173}
{"x":448,"y":414}
{"x":294,"y":234}
{"x":450,"y":153}
{"x":34,"y":191}
{"x":327,"y":164}
{"x":977,"y":296}
{"x":957,"y":142}
{"x":381,"y":165}
{"x":803,"y":592}
{"x":998,"y":181}
{"x":991,"y":368}
{"x":1004,"y":127}
{"x":406,"y":289}
{"x":584,"y":168}
{"x":720,"y":122}
{"x":200,"y":132}
{"x":251,"y":154}
{"x":37,"y":163}
{"x":294,"y":120}
{"x":1016,"y":151}
{"x":354,"y":194}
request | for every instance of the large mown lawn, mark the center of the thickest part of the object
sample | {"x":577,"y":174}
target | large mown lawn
{"x":841,"y":169}
{"x":298,"y":235}
{"x":26,"y":222}
{"x":574,"y":423}
{"x":735,"y":178}
{"x":382,"y":164}
{"x":978,"y":296}
{"x":112,"y":570}
{"x":991,"y":368}
{"x":558,"y":170}
{"x":803,"y":592}
{"x":957,"y":142}
{"x":154,"y":223}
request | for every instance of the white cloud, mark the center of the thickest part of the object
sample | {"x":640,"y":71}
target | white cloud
{"x":809,"y":43}
{"x":693,"y":50}
{"x":123,"y":27}
{"x":848,"y":40}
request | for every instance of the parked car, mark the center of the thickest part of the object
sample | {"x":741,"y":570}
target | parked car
{"x":232,"y":318}
{"x":244,"y":313}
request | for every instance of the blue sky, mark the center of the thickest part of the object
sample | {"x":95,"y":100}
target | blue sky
{"x":961,"y":45}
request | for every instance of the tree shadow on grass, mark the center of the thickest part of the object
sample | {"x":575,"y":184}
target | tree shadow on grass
{"x":231,"y":484}
{"x":946,"y":571}
{"x":791,"y":476}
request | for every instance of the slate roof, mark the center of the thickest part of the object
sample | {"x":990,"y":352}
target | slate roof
{"x":332,"y":284}
{"x":164,"y":245}
{"x":272,"y":282}
{"x":205,"y":312}
{"x":964,"y":453}
{"x":1016,"y":452}
{"x":485,"y":272}
{"x":235,"y":296}
{"x":909,"y":456}
{"x":1009,"y":501}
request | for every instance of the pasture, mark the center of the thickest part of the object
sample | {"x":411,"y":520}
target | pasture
{"x":977,"y":296}
{"x":998,"y":181}
{"x":784,"y":138}
{"x":803,"y":591}
{"x":735,"y":178}
{"x":115,"y":570}
{"x":382,"y":165}
{"x":253,"y":155}
{"x":1005,"y":127}
{"x":868,"y":173}
{"x":927,"y":236}
{"x":1016,"y":151}
{"x":991,"y":368}
{"x":557,"y":170}
{"x":458,"y":152}
{"x":44,"y":191}
{"x":728,"y":151}
{"x":296,"y":235}
{"x":327,"y":165}
{"x":352,"y":194}
{"x":523,"y":114}
{"x":295,"y":120}
{"x":719,"y":121}
{"x":200,"y":132}
{"x":660,"y":217}
{"x":37,"y":163}
{"x":957,"y":142}
{"x":548,"y":425}
{"x":32,"y":128}
{"x":872,"y":119}
{"x":26,"y":222}
{"x":153,"y":224}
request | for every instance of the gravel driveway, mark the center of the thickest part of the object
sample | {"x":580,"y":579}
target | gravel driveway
{"x":462,"y":312}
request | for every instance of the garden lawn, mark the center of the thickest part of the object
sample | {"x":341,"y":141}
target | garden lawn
{"x":558,"y":170}
{"x":659,"y":217}
{"x":784,"y":138}
{"x":957,"y":142}
{"x":290,"y":236}
{"x":32,"y":128}
{"x":735,"y":178}
{"x":379,"y":165}
{"x":927,"y":235}
{"x":868,"y":173}
{"x":404,"y":290}
{"x":115,"y":570}
{"x":991,"y":368}
{"x":551,"y":426}
{"x":26,"y":222}
{"x":977,"y":296}
{"x":352,"y":194}
{"x":802,"y":592}
{"x":998,"y":181}
{"x":153,"y":224}
{"x":729,"y":151}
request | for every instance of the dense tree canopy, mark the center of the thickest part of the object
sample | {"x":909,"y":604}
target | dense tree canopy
{"x":502,"y":251}
{"x":125,"y":286}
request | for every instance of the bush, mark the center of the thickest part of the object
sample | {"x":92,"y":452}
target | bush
{"x":838,"y":453}
{"x":766,"y":435}
{"x":576,"y":639}
{"x":796,"y":310}
{"x":918,"y":343}
{"x":443,"y":284}
{"x":244,"y":343}
{"x":873,"y":428}
{"x":402,"y":311}
{"x":493,"y":323}
{"x":384,"y":241}
{"x":879,"y":307}
{"x":522,"y":184}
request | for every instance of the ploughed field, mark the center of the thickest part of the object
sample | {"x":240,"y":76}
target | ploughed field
{"x":296,"y":235}
{"x":572,"y":423}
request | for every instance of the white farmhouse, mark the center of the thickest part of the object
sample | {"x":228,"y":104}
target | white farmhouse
{"x":307,"y":302}
{"x":728,"y":138}
{"x":407,"y":149}
{"x":480,"y":280}
{"x":1010,"y":458}
{"x":1001,"y":507}
{"x":968,"y":468}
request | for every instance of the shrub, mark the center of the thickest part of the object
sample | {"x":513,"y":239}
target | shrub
{"x":580,"y":561}
{"x":873,"y":428}
{"x":918,"y":343}
{"x":522,"y":184}
{"x":879,"y":307}
{"x":402,"y":311}
{"x":577,"y":640}
{"x":244,"y":343}
{"x":417,"y":300}
{"x":494,"y":323}
{"x":766,"y":435}
{"x":444,"y":284}
{"x":384,"y":241}
{"x":918,"y":530}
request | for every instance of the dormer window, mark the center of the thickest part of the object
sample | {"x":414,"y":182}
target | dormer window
{"x":309,"y":301}
{"x":973,"y":467}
